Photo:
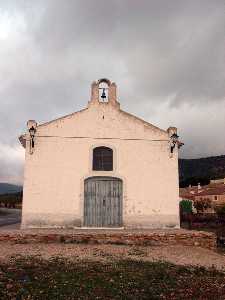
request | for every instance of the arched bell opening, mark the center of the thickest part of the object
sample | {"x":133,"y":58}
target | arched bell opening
{"x":103,"y":86}
{"x":104,"y":91}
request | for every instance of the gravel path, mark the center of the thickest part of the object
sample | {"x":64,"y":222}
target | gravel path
{"x":182,"y":255}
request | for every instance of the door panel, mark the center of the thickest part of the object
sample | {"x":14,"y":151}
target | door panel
{"x":103,"y":202}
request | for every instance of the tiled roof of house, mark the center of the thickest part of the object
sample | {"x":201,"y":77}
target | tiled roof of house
{"x":210,"y":189}
{"x":186,"y":196}
{"x":219,"y":190}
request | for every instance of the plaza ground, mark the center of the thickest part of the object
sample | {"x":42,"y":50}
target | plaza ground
{"x":66,"y":270}
{"x":181,"y":255}
{"x":60,"y":271}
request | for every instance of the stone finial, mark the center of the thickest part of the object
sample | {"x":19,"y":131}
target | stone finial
{"x":31,"y":123}
{"x":171,"y":130}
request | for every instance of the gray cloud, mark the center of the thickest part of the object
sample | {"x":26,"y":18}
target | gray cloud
{"x":167,"y":58}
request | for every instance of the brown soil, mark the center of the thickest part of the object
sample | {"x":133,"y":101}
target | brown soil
{"x":181,"y":255}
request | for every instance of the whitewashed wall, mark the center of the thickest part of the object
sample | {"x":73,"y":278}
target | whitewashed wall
{"x":62,"y":159}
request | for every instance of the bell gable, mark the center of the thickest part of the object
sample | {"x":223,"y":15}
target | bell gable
{"x":102,"y":118}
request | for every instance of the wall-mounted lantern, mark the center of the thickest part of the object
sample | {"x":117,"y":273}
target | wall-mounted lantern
{"x":173,"y":141}
{"x":32,"y":125}
{"x":32,"y":131}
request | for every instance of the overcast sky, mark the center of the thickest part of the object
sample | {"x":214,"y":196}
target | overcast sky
{"x":167,"y":58}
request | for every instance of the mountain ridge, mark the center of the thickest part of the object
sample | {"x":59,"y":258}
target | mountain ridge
{"x":8,"y":188}
{"x":192,"y":171}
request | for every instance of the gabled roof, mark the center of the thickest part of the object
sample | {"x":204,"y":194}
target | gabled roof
{"x":141,"y":120}
{"x":61,"y":118}
{"x":120,"y":110}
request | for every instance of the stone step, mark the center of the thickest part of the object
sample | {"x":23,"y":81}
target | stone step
{"x":145,"y":238}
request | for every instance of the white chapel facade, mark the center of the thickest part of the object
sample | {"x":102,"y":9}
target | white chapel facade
{"x":100,"y":167}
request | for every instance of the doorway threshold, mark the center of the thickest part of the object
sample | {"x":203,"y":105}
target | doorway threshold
{"x":103,"y":228}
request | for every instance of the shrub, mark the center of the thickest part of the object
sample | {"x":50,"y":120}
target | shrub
{"x":186,"y":206}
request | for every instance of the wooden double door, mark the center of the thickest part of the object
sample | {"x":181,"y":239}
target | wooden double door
{"x":103,"y":202}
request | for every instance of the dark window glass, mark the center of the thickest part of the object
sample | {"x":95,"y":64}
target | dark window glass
{"x":102,"y":159}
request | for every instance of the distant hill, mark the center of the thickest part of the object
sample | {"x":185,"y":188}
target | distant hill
{"x":7,"y":188}
{"x":192,"y":171}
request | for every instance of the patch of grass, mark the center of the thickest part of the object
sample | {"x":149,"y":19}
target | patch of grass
{"x":26,"y":278}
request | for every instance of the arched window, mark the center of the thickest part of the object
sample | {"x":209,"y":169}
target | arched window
{"x":102,"y":159}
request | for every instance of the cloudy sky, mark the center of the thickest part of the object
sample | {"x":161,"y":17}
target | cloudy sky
{"x":167,"y":58}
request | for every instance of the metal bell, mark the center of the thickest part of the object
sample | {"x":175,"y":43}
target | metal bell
{"x":103,"y":96}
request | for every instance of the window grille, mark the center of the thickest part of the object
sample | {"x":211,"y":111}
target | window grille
{"x":102,"y":159}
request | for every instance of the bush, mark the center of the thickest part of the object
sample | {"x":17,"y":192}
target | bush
{"x":186,"y":206}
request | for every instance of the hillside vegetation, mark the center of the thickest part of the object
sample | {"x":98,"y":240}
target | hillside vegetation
{"x":192,"y":171}
{"x":7,"y":188}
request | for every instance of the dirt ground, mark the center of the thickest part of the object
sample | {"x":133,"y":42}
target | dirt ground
{"x":181,"y":255}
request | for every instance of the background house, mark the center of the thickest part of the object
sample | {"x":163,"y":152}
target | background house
{"x":214,"y":193}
